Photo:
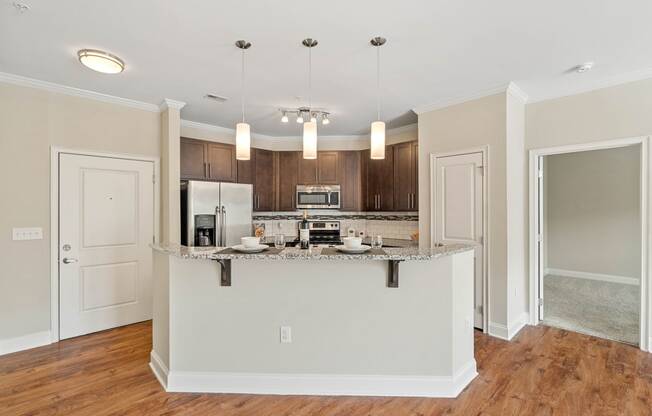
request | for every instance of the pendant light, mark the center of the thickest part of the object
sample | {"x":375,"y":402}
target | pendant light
{"x":310,"y":126}
{"x":242,"y":130}
{"x":378,"y":127}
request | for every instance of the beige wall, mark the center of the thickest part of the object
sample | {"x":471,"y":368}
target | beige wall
{"x":31,"y":121}
{"x":463,"y":126}
{"x":593,"y":210}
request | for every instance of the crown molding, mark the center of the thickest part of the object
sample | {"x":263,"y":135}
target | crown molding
{"x":515,"y":91}
{"x":231,"y":132}
{"x":448,"y":102}
{"x":169,"y":103}
{"x":75,"y":92}
{"x":606,"y":82}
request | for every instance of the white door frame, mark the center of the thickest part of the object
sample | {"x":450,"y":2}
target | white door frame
{"x":55,"y":151}
{"x":645,"y":343}
{"x":486,"y":293}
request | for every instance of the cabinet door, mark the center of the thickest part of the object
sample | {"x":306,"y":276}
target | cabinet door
{"x":327,"y":168}
{"x":386,"y":181}
{"x":415,"y":164}
{"x":368,"y":186}
{"x":221,"y":162}
{"x":192,"y":159}
{"x":350,"y":180}
{"x":380,"y":182}
{"x":307,"y":171}
{"x":403,"y":176}
{"x":263,"y":180}
{"x":288,"y":165}
{"x":245,"y":170}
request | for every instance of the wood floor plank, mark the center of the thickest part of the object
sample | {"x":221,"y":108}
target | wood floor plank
{"x":544,"y":371}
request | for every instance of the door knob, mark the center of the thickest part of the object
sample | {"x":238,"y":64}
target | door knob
{"x":68,"y":260}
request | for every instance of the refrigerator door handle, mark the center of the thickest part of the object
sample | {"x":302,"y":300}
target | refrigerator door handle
{"x":223,"y":227}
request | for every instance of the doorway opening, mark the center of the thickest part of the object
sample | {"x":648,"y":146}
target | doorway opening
{"x":588,"y":239}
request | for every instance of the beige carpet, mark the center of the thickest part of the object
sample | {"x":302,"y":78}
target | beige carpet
{"x":602,"y":309}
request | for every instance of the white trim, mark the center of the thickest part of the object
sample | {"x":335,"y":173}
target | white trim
{"x":55,"y":151}
{"x":169,"y":103}
{"x":510,"y":87}
{"x":24,"y":342}
{"x":515,"y":91}
{"x":580,"y":88}
{"x":510,"y":331}
{"x":626,"y":280}
{"x":159,"y":369}
{"x":231,"y":132}
{"x":76,"y":92}
{"x":646,"y":248}
{"x":321,"y":384}
{"x":486,"y":300}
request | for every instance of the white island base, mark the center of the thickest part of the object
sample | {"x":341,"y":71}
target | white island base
{"x":351,"y":334}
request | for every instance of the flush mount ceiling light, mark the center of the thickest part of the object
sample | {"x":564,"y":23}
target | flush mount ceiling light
{"x":101,"y":61}
{"x":242,"y":129}
{"x":378,"y":127}
{"x":309,"y":127}
{"x":585,"y":67}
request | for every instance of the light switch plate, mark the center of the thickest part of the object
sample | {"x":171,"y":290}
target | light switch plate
{"x":286,"y":335}
{"x":32,"y":233}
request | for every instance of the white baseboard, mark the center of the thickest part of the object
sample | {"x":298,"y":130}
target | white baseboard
{"x":159,"y":369}
{"x":25,"y":342}
{"x":593,"y":276}
{"x":318,"y":384}
{"x":507,"y":332}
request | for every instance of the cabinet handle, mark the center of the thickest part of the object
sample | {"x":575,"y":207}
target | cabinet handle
{"x":380,"y":202}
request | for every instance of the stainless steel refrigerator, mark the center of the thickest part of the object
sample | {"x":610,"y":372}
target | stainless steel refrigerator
{"x":215,"y":213}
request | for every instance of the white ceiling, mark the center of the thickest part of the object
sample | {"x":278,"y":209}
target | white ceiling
{"x":437,"y":52}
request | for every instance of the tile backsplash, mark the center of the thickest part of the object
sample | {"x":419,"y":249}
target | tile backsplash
{"x":389,"y":229}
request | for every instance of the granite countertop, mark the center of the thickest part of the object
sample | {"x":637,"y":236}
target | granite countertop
{"x":394,"y":242}
{"x":315,"y":253}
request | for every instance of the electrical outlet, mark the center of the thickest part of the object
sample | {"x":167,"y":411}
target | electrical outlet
{"x":286,"y":335}
{"x":33,"y":233}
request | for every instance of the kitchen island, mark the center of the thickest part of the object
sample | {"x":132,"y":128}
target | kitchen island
{"x":391,"y":323}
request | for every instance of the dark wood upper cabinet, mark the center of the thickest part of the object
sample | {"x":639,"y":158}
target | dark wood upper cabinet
{"x":327,"y":168}
{"x":415,"y":163}
{"x":221,"y":162}
{"x":245,"y":170}
{"x":350,"y":180}
{"x":288,"y":165}
{"x":307,"y":172}
{"x":404,"y":177}
{"x":380,"y":182}
{"x":193,"y":159}
{"x":264,"y":196}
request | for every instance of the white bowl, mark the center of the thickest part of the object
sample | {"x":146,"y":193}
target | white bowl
{"x":352,"y":242}
{"x":250,"y":242}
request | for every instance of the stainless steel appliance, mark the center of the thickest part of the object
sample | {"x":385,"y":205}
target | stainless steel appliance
{"x":215,"y":213}
{"x":318,"y":196}
{"x":324,"y":232}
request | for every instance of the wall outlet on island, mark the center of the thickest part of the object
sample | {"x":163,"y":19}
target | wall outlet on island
{"x":286,"y":334}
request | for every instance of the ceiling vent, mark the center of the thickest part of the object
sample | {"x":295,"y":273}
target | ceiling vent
{"x":215,"y":97}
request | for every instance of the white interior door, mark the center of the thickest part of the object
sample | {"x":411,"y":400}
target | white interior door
{"x":459,"y":211}
{"x":106,"y":222}
{"x":540,"y":233}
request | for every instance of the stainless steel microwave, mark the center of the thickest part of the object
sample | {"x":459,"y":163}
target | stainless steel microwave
{"x":318,"y":196}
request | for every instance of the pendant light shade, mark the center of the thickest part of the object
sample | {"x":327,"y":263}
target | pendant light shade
{"x":242,"y":130}
{"x":242,"y":141}
{"x":309,"y":127}
{"x":377,"y":140}
{"x":377,"y":127}
{"x":310,"y":140}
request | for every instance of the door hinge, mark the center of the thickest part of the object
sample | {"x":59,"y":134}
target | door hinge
{"x":540,"y":301}
{"x":481,"y":169}
{"x":153,"y":178}
{"x":480,"y":309}
{"x":539,"y":238}
{"x":540,"y":173}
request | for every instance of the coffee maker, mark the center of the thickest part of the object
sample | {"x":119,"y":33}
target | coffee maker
{"x":204,"y":230}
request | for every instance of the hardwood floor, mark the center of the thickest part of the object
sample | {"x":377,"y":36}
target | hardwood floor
{"x":544,"y":371}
